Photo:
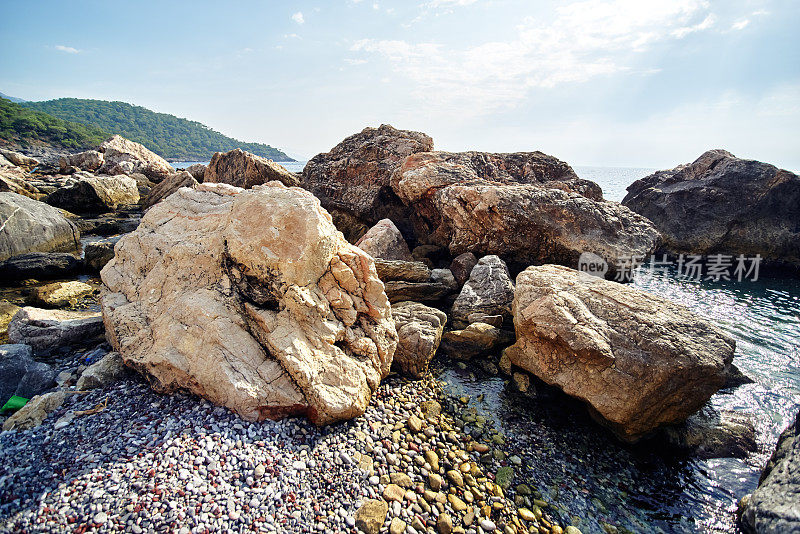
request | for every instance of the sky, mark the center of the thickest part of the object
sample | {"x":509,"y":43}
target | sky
{"x":594,"y":82}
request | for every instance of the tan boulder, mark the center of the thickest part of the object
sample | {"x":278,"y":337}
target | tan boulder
{"x":253,"y":300}
{"x":122,"y":156}
{"x":20,"y":160}
{"x":385,"y":241}
{"x":35,"y":411}
{"x":89,"y":160}
{"x":15,"y":180}
{"x":60,"y":294}
{"x":246,"y":170}
{"x":525,"y":207}
{"x":419,"y":331}
{"x":89,"y":194}
{"x":638,"y":360}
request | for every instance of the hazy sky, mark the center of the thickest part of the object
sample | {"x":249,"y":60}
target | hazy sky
{"x":594,"y":82}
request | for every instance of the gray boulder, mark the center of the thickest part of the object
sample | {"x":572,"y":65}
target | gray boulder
{"x":97,"y":253}
{"x":45,"y":330}
{"x":22,"y":376}
{"x":489,"y":290}
{"x":385,"y":241}
{"x":775,"y":506}
{"x":27,"y":225}
{"x":721,"y":204}
{"x":108,"y":369}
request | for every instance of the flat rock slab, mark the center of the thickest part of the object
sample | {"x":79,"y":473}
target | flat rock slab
{"x":45,"y":330}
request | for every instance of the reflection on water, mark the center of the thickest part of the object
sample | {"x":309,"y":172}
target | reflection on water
{"x":597,"y":481}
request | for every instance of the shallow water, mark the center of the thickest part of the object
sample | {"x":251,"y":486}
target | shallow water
{"x":575,"y":463}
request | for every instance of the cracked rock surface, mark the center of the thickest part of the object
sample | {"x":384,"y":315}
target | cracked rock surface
{"x":253,"y":300}
{"x":639,"y":361}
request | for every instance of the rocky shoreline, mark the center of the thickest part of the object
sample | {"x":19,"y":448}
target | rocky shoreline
{"x":234,"y":284}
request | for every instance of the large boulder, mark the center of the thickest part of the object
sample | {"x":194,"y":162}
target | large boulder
{"x":197,"y":170}
{"x":712,"y":433}
{"x":385,"y":241}
{"x":253,"y":300}
{"x":419,"y":331}
{"x":60,"y":294}
{"x":121,"y":156}
{"x":21,"y":375}
{"x":526,"y":208}
{"x":720,"y":204}
{"x":354,"y":178}
{"x":165,"y":188}
{"x":488,"y":291}
{"x":244,"y":169}
{"x":89,"y":194}
{"x":27,"y":225}
{"x":45,"y":330}
{"x":89,"y":160}
{"x":773,"y":507}
{"x":638,"y":360}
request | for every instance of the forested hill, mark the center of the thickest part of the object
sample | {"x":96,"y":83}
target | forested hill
{"x":28,"y":127}
{"x":167,"y":135}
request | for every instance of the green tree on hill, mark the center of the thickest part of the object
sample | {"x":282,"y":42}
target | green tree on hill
{"x":19,"y":124}
{"x":167,"y":135}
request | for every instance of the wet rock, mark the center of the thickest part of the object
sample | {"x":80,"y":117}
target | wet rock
{"x":715,"y":434}
{"x":628,"y":354}
{"x":474,"y":341}
{"x":773,"y":506}
{"x":7,"y":311}
{"x":170,"y":184}
{"x":47,"y":329}
{"x":489,"y":290}
{"x":108,"y":369}
{"x":90,"y":194}
{"x":355,"y":176}
{"x":32,"y":226}
{"x":60,"y":294}
{"x":39,"y":266}
{"x":419,"y":331}
{"x":97,"y":253}
{"x":738,"y":206}
{"x":89,"y":160}
{"x":371,"y":515}
{"x":244,"y":169}
{"x":35,"y":411}
{"x":258,"y":288}
{"x":406,"y":271}
{"x":462,"y":265}
{"x":385,"y":241}
{"x":198,"y":171}
{"x":122,"y":156}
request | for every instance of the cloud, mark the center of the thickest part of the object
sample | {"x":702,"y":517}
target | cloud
{"x":583,"y":40}
{"x":67,"y":49}
{"x":740,"y":25}
{"x":298,"y":17}
{"x":350,"y":61}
